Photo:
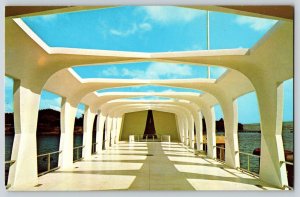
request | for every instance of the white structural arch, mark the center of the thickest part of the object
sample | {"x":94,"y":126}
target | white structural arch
{"x":262,"y":69}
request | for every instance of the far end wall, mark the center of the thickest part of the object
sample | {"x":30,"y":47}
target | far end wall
{"x":135,"y":122}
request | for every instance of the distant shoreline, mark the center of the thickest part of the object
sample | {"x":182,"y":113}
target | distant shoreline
{"x":58,"y":134}
{"x":44,"y":134}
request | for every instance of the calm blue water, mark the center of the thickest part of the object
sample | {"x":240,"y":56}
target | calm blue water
{"x":45,"y":144}
{"x":248,"y":141}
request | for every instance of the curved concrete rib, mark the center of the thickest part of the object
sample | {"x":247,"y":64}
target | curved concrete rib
{"x":263,"y":68}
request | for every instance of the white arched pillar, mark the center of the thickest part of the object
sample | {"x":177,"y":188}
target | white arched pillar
{"x":191,"y":130}
{"x":88,"y":124}
{"x":67,"y":121}
{"x":119,"y":127}
{"x":199,"y":131}
{"x":113,"y":130}
{"x":99,"y":133}
{"x":210,"y":120}
{"x":272,"y":166}
{"x":26,"y":106}
{"x":180,"y":129}
{"x":229,"y":108}
{"x":186,"y":131}
{"x":108,"y":126}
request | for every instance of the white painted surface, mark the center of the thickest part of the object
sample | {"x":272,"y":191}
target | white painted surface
{"x":171,"y":167}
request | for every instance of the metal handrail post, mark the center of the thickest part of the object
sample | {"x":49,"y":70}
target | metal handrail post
{"x":49,"y":165}
{"x":48,"y":155}
{"x":221,"y":152}
{"x":77,"y":153}
{"x":248,"y":163}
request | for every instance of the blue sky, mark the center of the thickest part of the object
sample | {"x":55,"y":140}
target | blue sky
{"x":148,"y":70}
{"x":150,"y":98}
{"x":151,"y":29}
{"x":148,"y":29}
{"x":149,"y":88}
{"x":248,"y":111}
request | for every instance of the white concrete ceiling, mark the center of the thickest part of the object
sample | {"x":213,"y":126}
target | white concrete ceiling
{"x":39,"y":66}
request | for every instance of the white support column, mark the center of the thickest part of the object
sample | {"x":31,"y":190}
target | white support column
{"x":108,"y":131}
{"x":23,"y":172}
{"x":114,"y":130}
{"x":209,"y":115}
{"x":67,"y":120}
{"x":199,"y":131}
{"x":182,"y":123}
{"x":119,"y":127}
{"x":191,"y":131}
{"x":88,"y":123}
{"x":99,"y":134}
{"x":272,"y":166}
{"x":229,"y":107}
{"x":179,"y":128}
{"x":186,"y":131}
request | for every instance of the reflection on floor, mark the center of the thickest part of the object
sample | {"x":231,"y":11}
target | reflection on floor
{"x":148,"y":166}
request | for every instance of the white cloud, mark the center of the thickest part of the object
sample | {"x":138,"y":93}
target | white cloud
{"x":126,"y":32}
{"x":49,"y":17}
{"x":168,"y":14}
{"x":158,"y":70}
{"x":135,"y":28}
{"x":136,"y":74}
{"x":257,"y":24}
{"x":170,"y":69}
{"x":168,"y":91}
{"x":111,"y":71}
{"x":145,"y":26}
{"x":155,"y":70}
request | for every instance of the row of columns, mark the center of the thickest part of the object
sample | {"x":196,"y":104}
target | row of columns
{"x":24,"y":171}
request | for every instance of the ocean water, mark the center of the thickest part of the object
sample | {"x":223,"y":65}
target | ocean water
{"x":248,"y":141}
{"x":45,"y":144}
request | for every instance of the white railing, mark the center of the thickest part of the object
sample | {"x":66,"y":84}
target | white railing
{"x":221,"y":155}
{"x":248,"y":167}
{"x":77,"y":157}
{"x":48,"y":156}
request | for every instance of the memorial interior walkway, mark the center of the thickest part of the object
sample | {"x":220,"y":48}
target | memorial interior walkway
{"x":148,"y":166}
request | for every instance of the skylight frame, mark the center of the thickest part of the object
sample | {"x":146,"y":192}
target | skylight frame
{"x":99,"y":52}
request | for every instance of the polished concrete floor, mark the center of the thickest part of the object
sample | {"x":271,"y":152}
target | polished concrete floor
{"x":148,"y":166}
